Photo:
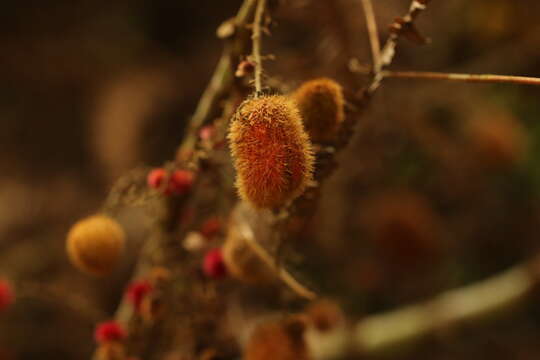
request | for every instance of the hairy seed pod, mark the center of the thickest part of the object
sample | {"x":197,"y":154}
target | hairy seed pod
{"x":95,"y":244}
{"x":242,"y":262}
{"x":321,"y":104}
{"x":283,"y":340}
{"x":271,"y":151}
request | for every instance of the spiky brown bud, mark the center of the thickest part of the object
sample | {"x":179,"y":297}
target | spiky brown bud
{"x":95,"y":244}
{"x":321,"y":104}
{"x":271,"y":151}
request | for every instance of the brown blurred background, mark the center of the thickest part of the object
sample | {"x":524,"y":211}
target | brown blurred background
{"x":91,"y":89}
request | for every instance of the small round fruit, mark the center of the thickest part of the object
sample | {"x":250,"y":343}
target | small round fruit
{"x":95,"y":244}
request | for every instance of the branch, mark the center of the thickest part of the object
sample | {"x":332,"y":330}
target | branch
{"x":256,"y":37}
{"x":245,"y":226}
{"x":401,"y":26}
{"x":221,"y":81}
{"x":371,"y":24}
{"x":473,"y":78}
{"x":378,"y":334}
{"x":161,"y":247}
{"x":262,"y":223}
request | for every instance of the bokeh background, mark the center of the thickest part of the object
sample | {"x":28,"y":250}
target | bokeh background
{"x":439,"y":188}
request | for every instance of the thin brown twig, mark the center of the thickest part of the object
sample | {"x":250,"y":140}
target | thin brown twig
{"x":256,"y":53}
{"x":401,"y":25}
{"x":473,"y":78}
{"x":371,"y":25}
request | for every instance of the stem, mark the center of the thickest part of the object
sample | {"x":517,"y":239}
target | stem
{"x":474,"y":78}
{"x":256,"y":37}
{"x":381,"y":333}
{"x":371,"y":24}
{"x":161,"y":247}
{"x":284,"y":275}
{"x":221,"y":81}
{"x":388,"y":51}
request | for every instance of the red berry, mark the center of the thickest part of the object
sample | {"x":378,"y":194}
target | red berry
{"x":210,"y":227}
{"x":109,"y":331}
{"x":180,"y":182}
{"x":137,"y":291}
{"x":213,"y":265}
{"x":155,"y":178}
{"x":206,"y":132}
{"x":7,"y":296}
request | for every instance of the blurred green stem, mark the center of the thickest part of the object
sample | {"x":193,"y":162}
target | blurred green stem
{"x":387,"y":332}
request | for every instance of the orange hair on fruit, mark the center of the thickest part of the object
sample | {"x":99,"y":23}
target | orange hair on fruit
{"x":271,"y":151}
{"x":322,"y":105}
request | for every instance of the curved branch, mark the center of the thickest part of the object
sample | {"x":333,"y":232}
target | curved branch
{"x":248,"y":234}
{"x":381,"y":333}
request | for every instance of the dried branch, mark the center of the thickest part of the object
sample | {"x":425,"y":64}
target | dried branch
{"x":400,"y":27}
{"x":371,"y":24}
{"x":162,"y":247}
{"x":221,"y":81}
{"x":256,"y":37}
{"x":473,"y":78}
{"x":378,"y":334}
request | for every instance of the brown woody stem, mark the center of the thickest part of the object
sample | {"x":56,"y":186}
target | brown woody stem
{"x":256,"y":53}
{"x":371,"y":24}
